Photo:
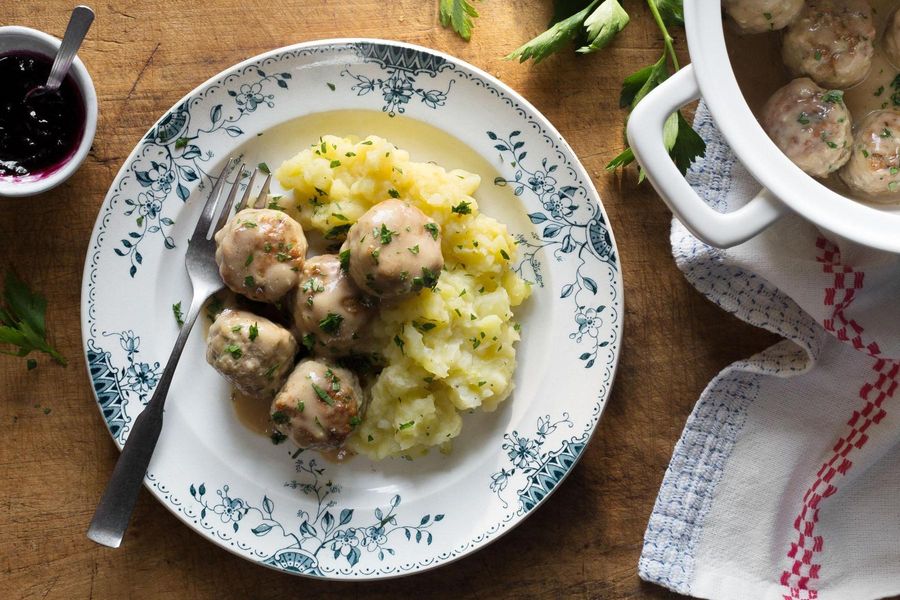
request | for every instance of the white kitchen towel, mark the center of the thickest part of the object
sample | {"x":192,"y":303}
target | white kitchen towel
{"x":786,"y":481}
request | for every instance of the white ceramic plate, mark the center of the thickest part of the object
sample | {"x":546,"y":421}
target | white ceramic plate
{"x":298,"y":512}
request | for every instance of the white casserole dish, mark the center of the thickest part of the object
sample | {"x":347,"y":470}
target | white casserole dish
{"x":785,"y":187}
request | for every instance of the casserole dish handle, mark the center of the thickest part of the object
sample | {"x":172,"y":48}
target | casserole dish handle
{"x":645,"y":135}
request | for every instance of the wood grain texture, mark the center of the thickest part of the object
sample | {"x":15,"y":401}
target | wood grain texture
{"x":55,"y":454}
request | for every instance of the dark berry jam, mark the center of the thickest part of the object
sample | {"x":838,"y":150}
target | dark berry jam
{"x":40,"y":133}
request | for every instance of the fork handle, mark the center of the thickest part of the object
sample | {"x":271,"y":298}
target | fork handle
{"x":114,"y":510}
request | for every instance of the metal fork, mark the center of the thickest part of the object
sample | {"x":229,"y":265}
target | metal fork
{"x":114,"y":510}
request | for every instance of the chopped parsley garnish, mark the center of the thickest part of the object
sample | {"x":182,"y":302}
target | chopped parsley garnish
{"x":330,"y":86}
{"x":885,"y":133}
{"x":350,"y":154}
{"x":270,"y":372}
{"x":176,"y":312}
{"x":249,"y":281}
{"x":331,"y":323}
{"x":254,"y":331}
{"x":321,"y":192}
{"x":344,"y":257}
{"x":301,"y":406}
{"x":423,"y":327}
{"x":428,"y":279}
{"x":355,"y":420}
{"x":399,"y":343}
{"x":432,"y":228}
{"x":277,"y":437}
{"x":323,"y":395}
{"x":366,"y":143}
{"x":803,"y":119}
{"x":335,"y":163}
{"x":375,"y":254}
{"x":337,"y":231}
{"x":249,"y":224}
{"x":414,"y":249}
{"x":313,"y":285}
{"x":234,"y":350}
{"x":181,"y":142}
{"x":429,"y":380}
{"x":214,"y":307}
{"x":463,"y":208}
{"x":282,"y":257}
{"x":371,"y":438}
{"x":475,"y":342}
{"x":308,"y":341}
{"x":386,"y":235}
{"x":833,"y":96}
{"x":393,"y":193}
{"x":249,"y":260}
{"x":504,"y":254}
{"x":237,"y":328}
{"x":280,"y":418}
{"x":339,"y":216}
{"x":406,"y":425}
{"x":264,"y":168}
{"x":267,"y":247}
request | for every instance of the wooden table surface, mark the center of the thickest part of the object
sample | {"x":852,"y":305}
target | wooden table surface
{"x":55,"y":453}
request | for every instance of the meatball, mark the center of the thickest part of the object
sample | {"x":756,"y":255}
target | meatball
{"x":319,"y":406}
{"x":394,"y":250}
{"x":757,"y":16}
{"x":810,"y":125}
{"x":260,"y":253}
{"x":251,"y":352}
{"x":832,"y":41}
{"x":328,"y":309}
{"x":892,"y":39}
{"x":873,"y":170}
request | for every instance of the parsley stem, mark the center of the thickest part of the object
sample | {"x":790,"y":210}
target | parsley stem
{"x":667,"y":39}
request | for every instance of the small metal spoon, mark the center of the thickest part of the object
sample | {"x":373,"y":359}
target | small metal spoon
{"x":79,"y":23}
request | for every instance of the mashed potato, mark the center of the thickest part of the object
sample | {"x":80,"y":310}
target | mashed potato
{"x":446,"y":351}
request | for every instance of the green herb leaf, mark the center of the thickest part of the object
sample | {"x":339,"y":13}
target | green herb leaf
{"x":176,"y":312}
{"x":254,"y":331}
{"x":393,"y":193}
{"x":264,"y":168}
{"x":406,"y":425}
{"x":234,"y":350}
{"x":22,"y":320}
{"x":323,"y":395}
{"x":671,"y":11}
{"x":280,"y":417}
{"x":331,"y":323}
{"x":603,"y":25}
{"x":459,"y":15}
{"x":386,"y":235}
{"x":344,"y":257}
{"x":463,"y":208}
{"x":432,"y":228}
{"x":338,"y":231}
{"x":553,"y":39}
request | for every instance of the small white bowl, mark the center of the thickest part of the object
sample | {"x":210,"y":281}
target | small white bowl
{"x":32,"y":40}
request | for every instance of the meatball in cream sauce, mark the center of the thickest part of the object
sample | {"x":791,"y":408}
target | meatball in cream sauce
{"x":832,"y":42}
{"x":319,"y":406}
{"x":260,"y":253}
{"x":329,"y":311}
{"x":873,"y":170}
{"x":758,"y":16}
{"x":394,"y":250}
{"x":811,"y":126}
{"x":253,"y":353}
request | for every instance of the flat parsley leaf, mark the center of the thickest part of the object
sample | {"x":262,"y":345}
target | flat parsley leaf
{"x":553,"y":39}
{"x":603,"y":25}
{"x":459,"y":15}
{"x":22,"y":321}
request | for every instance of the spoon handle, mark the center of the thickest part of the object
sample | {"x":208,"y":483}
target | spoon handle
{"x":79,"y":23}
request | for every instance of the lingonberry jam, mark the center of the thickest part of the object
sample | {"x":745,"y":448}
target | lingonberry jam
{"x":41,"y":132}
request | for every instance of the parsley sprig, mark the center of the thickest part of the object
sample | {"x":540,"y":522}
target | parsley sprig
{"x":22,"y":321}
{"x":459,"y":14}
{"x":596,"y":25}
